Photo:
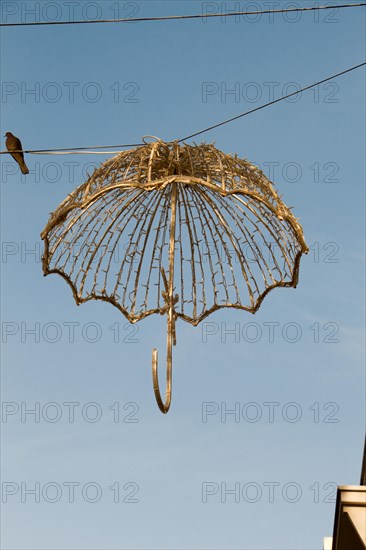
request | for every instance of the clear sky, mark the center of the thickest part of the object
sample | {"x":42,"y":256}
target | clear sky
{"x":133,"y":478}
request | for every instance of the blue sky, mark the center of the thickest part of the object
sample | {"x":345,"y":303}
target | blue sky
{"x":174,"y":471}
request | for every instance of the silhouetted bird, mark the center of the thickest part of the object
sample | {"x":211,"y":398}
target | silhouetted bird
{"x":14,"y":144}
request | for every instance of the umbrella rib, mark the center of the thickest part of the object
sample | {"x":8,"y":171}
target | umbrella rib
{"x":250,"y":240}
{"x":205,"y":198}
{"x":189,"y":205}
{"x":93,"y":213}
{"x":155,"y":201}
{"x":139,"y":200}
{"x":108,"y":215}
{"x":105,"y":245}
{"x":259,"y":211}
{"x":180,"y":242}
{"x":231,"y":234}
{"x":154,"y":257}
{"x":60,"y":231}
{"x":194,"y":244}
{"x":164,"y":243}
{"x":235,"y":241}
{"x":195,"y":199}
{"x":142,"y":254}
{"x":286,"y":231}
{"x":89,"y":217}
{"x":243,"y":269}
{"x":134,"y":247}
{"x":116,"y":221}
{"x":248,"y":237}
{"x":119,"y":234}
{"x":277,"y":230}
{"x":131,"y":249}
{"x":266,"y":223}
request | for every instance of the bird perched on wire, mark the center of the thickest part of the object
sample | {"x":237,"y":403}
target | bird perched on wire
{"x":14,"y":144}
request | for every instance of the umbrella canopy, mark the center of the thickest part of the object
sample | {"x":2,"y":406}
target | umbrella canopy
{"x":174,"y":229}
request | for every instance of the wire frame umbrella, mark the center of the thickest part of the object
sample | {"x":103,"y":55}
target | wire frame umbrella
{"x":176,"y":229}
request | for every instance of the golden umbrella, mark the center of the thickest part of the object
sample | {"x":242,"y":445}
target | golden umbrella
{"x":201,"y":230}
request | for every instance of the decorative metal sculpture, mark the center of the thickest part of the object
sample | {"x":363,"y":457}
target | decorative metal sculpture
{"x":174,"y":229}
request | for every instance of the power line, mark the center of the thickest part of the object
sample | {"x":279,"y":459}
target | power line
{"x":75,"y":150}
{"x":272,"y":102}
{"x":179,"y":17}
{"x":90,"y":150}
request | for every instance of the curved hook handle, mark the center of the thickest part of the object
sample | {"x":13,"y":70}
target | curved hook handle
{"x":164,"y":407}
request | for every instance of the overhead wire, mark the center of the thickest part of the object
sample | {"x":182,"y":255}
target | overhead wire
{"x":190,"y":136}
{"x":180,"y":17}
{"x":91,"y":150}
{"x":74,"y":150}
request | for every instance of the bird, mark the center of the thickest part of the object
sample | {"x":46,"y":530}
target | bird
{"x":14,"y":144}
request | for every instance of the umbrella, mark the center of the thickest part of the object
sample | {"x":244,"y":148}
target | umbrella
{"x":176,"y":229}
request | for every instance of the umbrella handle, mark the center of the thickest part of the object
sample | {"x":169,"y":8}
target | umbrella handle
{"x":164,"y":407}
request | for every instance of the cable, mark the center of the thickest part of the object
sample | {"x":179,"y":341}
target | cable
{"x":79,"y":152}
{"x":72,"y":150}
{"x":82,"y":150}
{"x":271,"y":102}
{"x":179,"y":17}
